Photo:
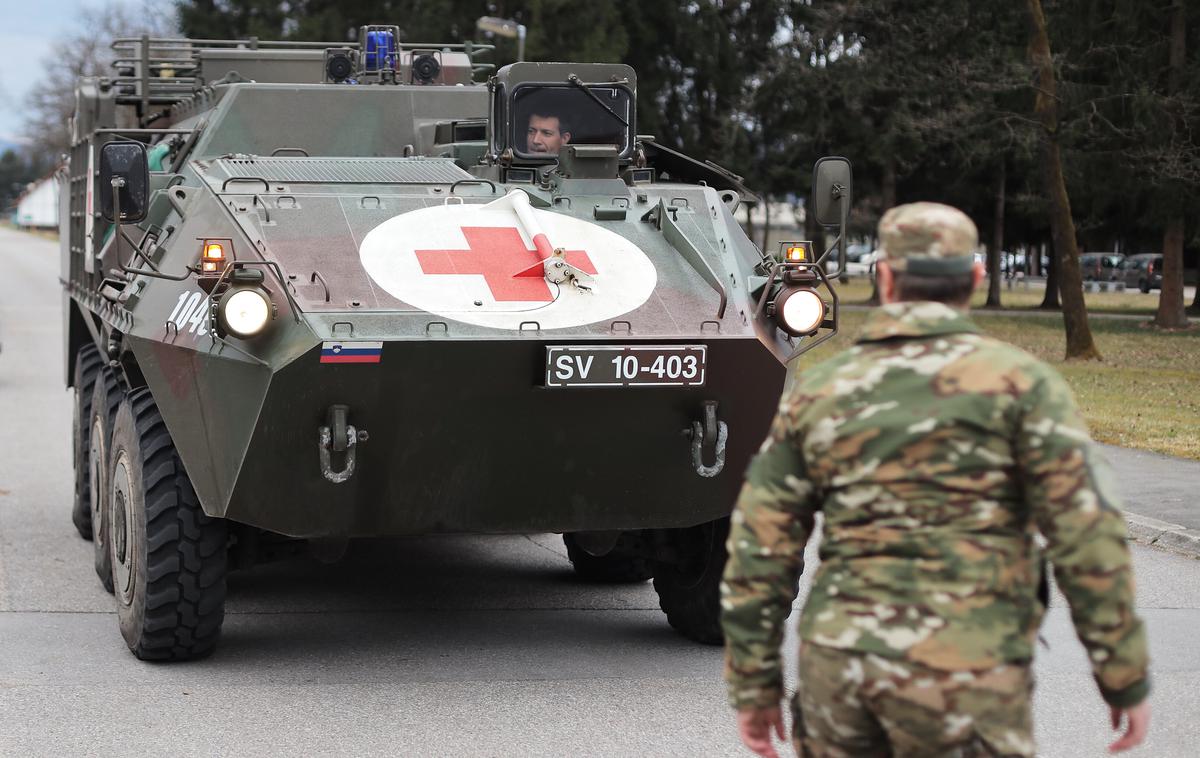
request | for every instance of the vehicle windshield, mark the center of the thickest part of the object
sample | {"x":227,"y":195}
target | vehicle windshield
{"x":546,"y":118}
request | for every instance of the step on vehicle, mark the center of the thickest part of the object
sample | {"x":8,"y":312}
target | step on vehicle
{"x":320,"y":291}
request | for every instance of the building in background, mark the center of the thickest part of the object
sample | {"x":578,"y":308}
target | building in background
{"x":37,"y":207}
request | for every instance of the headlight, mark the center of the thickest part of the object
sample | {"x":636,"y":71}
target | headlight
{"x":244,"y":311}
{"x":799,"y":311}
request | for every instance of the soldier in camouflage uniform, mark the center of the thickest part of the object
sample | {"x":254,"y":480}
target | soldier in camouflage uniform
{"x":935,"y":454}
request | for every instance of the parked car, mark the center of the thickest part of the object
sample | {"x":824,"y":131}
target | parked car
{"x":1101,"y":267}
{"x":1142,"y":271}
{"x":863,"y":264}
{"x":1011,"y":262}
{"x":855,"y":252}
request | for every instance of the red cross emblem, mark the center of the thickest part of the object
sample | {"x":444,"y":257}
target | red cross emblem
{"x":513,"y":272}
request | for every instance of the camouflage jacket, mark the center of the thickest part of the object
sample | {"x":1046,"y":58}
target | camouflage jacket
{"x":935,"y":454}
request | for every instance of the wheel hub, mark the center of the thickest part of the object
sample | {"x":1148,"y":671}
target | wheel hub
{"x":96,"y":467}
{"x":122,"y":536}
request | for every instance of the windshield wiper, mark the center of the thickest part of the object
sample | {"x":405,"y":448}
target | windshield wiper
{"x":573,"y":79}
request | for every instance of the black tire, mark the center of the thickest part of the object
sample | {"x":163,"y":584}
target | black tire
{"x":618,"y":566}
{"x":88,"y":363}
{"x":689,"y":589}
{"x":106,"y":397}
{"x":168,"y":558}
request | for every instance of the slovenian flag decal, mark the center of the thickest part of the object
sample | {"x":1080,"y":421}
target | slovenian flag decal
{"x":351,"y":352}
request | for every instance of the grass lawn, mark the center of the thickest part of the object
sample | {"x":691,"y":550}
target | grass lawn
{"x":1022,"y":297}
{"x":1145,"y":393}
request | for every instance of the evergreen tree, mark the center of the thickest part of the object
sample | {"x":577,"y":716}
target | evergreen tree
{"x":1130,"y":103}
{"x":14,"y":175}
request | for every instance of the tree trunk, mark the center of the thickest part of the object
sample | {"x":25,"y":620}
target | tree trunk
{"x":1062,"y":226}
{"x":819,"y":240}
{"x":812,"y":231}
{"x":766,"y":232}
{"x":1195,"y":306}
{"x":749,"y":221}
{"x":1050,"y":301}
{"x":997,"y":243}
{"x":1170,"y":313}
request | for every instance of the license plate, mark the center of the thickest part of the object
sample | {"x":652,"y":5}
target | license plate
{"x":626,"y":366}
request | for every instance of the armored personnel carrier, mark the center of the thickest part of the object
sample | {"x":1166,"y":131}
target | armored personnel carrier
{"x":325,"y":291}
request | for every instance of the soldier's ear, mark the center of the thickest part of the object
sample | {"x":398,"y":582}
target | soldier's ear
{"x":886,"y":282}
{"x":566,"y":137}
{"x":978,"y":272}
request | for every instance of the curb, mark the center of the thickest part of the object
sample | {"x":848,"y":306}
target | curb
{"x":1173,"y":537}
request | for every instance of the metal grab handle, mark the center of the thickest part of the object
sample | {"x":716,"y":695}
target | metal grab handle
{"x":316,"y":275}
{"x":227,"y":182}
{"x":488,"y":182}
{"x":326,"y":443}
{"x":279,"y":150}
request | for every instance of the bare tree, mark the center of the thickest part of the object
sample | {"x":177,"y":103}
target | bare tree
{"x":1171,"y":314}
{"x":996,"y":244}
{"x":1066,"y":249}
{"x":86,"y":51}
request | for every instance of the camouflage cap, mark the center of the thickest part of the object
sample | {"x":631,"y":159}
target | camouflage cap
{"x":928,"y":239}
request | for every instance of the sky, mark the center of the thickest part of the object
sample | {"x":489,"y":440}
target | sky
{"x":28,"y":29}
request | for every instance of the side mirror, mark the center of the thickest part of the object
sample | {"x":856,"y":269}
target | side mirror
{"x":832,"y":182}
{"x":125,"y":164}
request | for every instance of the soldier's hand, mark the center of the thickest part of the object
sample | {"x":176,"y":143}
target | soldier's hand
{"x":1137,"y":724}
{"x":755,"y":726}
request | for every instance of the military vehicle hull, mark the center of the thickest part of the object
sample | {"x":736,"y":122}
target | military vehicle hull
{"x":503,"y":453}
{"x":337,"y":292}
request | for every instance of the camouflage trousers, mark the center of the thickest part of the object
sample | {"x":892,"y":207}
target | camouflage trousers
{"x":856,"y":704}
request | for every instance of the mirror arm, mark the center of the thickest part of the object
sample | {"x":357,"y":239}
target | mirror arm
{"x":844,"y":208}
{"x":154,"y":271}
{"x":158,"y":274}
{"x":840,"y":194}
{"x":825,"y":255}
{"x":137,"y":250}
{"x":117,"y":183}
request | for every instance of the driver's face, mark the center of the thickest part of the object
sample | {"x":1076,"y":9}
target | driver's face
{"x":544,"y":136}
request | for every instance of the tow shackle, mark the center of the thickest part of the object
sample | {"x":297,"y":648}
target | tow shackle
{"x":713,"y":431}
{"x":341,"y":437}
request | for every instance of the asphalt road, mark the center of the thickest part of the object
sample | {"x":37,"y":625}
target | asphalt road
{"x":477,"y":646}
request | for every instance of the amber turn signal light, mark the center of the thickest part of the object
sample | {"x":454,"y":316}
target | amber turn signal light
{"x":212,"y":257}
{"x":795,"y":252}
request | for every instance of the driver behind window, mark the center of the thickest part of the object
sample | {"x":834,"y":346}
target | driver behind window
{"x":548,"y":131}
{"x":553,"y":117}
